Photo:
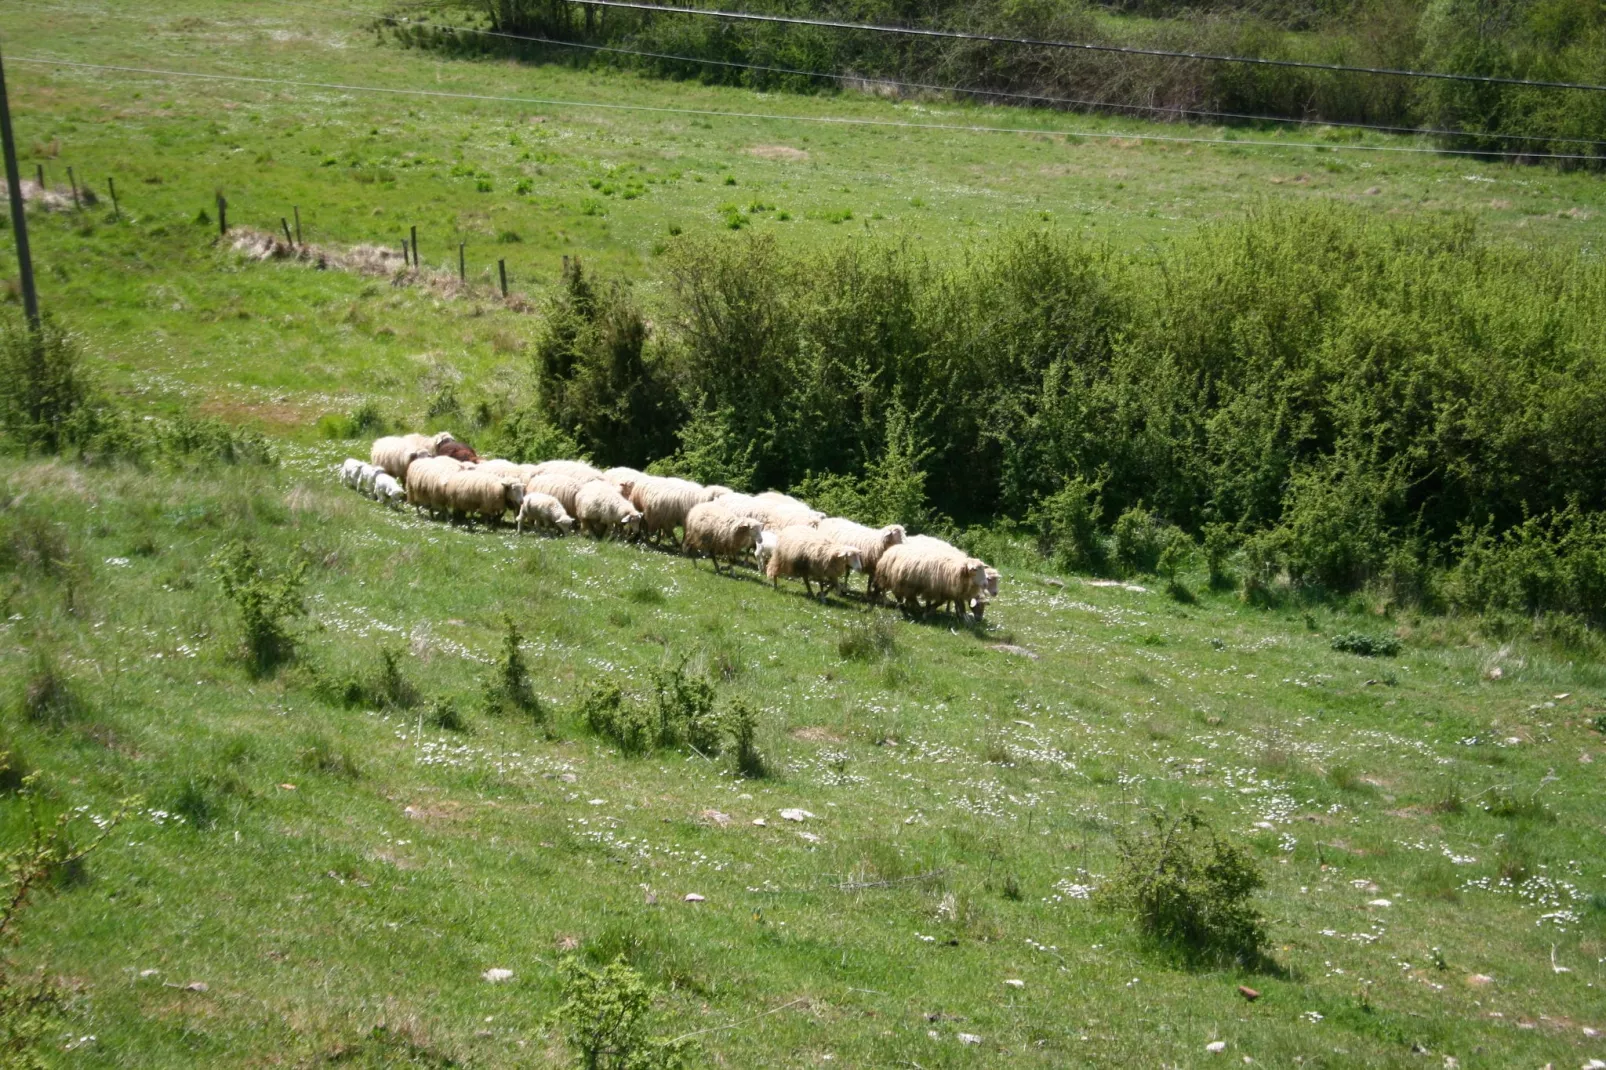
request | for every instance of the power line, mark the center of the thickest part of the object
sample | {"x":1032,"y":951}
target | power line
{"x":768,"y":116}
{"x":997,"y":39}
{"x":928,"y":87}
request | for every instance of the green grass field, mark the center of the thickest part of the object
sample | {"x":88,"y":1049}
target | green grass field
{"x":1429,"y":825}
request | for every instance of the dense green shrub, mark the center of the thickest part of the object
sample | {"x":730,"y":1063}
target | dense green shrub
{"x":1190,"y":890}
{"x":44,"y":384}
{"x":742,"y":721}
{"x":1138,"y":540}
{"x":267,"y":600}
{"x":606,"y":1017}
{"x":686,"y":713}
{"x":628,"y":724}
{"x":49,"y":697}
{"x":508,"y":689}
{"x":1067,"y":523}
{"x":1365,"y":645}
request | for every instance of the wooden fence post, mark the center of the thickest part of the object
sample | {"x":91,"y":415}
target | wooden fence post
{"x":462,"y":266}
{"x":72,"y":180}
{"x":501,"y":269}
{"x":297,"y":209}
{"x":285,"y":223}
{"x":415,"y":248}
{"x":111,"y":187}
{"x":222,"y":215}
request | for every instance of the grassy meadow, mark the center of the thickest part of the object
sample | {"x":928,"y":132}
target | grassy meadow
{"x":308,"y":881}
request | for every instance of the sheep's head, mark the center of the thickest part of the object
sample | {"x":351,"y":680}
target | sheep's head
{"x":891,"y":535}
{"x":749,"y":533}
{"x":513,"y":491}
{"x":441,"y":438}
{"x":417,"y":455}
{"x":630,"y":523}
{"x":846,"y":557}
{"x":566,"y":524}
{"x":990,"y":583}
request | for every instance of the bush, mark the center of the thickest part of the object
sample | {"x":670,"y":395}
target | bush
{"x":526,"y":437}
{"x":710,"y":452}
{"x":1190,"y":890}
{"x":444,"y":715}
{"x":867,"y":639}
{"x":508,"y":689}
{"x":742,"y":721}
{"x":1067,"y":523}
{"x":318,"y":755}
{"x":627,"y":724}
{"x":365,"y":421}
{"x":606,"y":1017}
{"x":686,"y":713}
{"x":1219,"y":546}
{"x":1138,"y":539}
{"x":44,"y":384}
{"x":266,"y":600}
{"x":1366,"y":646}
{"x":48,"y":697}
{"x":387,"y":688}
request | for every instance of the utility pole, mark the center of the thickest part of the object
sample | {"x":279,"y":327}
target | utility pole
{"x":19,"y":217}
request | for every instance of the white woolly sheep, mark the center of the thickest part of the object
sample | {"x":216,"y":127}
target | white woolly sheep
{"x":989,"y":591}
{"x":805,"y":554}
{"x":365,"y":478}
{"x":545,"y":512}
{"x":664,"y":504}
{"x":720,"y":533}
{"x":870,"y":542}
{"x":496,"y":466}
{"x":767,"y":541}
{"x":625,"y":479}
{"x":387,"y":490}
{"x":576,"y":470}
{"x":940,"y":575}
{"x":350,"y":472}
{"x":394,"y":453}
{"x":564,"y":488}
{"x":470,"y":492}
{"x":426,"y":478}
{"x":604,"y":512}
{"x":772,"y":514}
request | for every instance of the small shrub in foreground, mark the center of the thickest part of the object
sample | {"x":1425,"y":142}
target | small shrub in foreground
{"x":1366,"y":646}
{"x":1190,"y":890}
{"x":266,"y":600}
{"x":1139,"y":540}
{"x":508,"y":689}
{"x":444,"y":715}
{"x":686,"y":713}
{"x":48,"y":696}
{"x":321,"y":756}
{"x":1067,"y":523}
{"x":867,"y":639}
{"x":606,"y":1016}
{"x":742,"y":722}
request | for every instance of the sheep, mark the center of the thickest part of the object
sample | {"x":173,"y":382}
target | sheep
{"x":545,"y":512}
{"x":664,"y":505}
{"x":603,"y":511}
{"x":804,"y":553}
{"x":457,"y":451}
{"x":426,"y":479}
{"x":977,"y":603}
{"x":394,"y":453}
{"x":720,"y":533}
{"x":767,"y":541}
{"x":350,"y":472}
{"x":387,"y":490}
{"x":496,"y":466}
{"x":576,"y":470}
{"x":365,"y":479}
{"x":564,"y":488}
{"x":474,"y":493}
{"x":871,"y":543}
{"x":989,"y":591}
{"x":931,"y":570}
{"x":437,"y":440}
{"x":626,"y":479}
{"x":773,"y":515}
{"x":784,"y":500}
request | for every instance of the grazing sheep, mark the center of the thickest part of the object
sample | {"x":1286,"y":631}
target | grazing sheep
{"x":576,"y":470}
{"x":457,"y":451}
{"x":989,"y":591}
{"x":664,"y":505}
{"x":470,"y":492}
{"x":772,"y":514}
{"x":716,"y":492}
{"x":931,"y":570}
{"x":804,"y":553}
{"x":350,"y":472}
{"x":625,"y":479}
{"x":496,"y":466}
{"x":871,"y":543}
{"x":365,"y":478}
{"x":784,"y":500}
{"x":604,"y":512}
{"x":426,"y":479}
{"x":545,"y":512}
{"x":720,"y":533}
{"x":387,"y":490}
{"x":564,"y":488}
{"x":394,"y":453}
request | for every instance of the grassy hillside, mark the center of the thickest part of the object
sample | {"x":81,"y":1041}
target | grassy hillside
{"x":339,"y":875}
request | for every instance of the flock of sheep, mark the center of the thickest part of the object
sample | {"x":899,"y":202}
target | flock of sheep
{"x":784,"y":536}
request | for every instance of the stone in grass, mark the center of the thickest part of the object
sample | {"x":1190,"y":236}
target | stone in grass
{"x":1216,"y":1047}
{"x":496,"y":975}
{"x":794,"y":814}
{"x":693,"y":897}
{"x":1015,"y":982}
{"x":969,"y":1038}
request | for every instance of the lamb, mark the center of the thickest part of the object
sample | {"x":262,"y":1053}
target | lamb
{"x":365,"y":479}
{"x":603,"y":511}
{"x":470,"y":492}
{"x":989,"y":591}
{"x":871,"y":543}
{"x":720,"y":533}
{"x":664,"y":505}
{"x":545,"y":512}
{"x":564,"y":488}
{"x":387,"y":490}
{"x":804,"y":553}
{"x":350,"y":472}
{"x":394,"y":453}
{"x":576,"y":470}
{"x":931,"y":570}
{"x":426,"y":478}
{"x":767,"y":541}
